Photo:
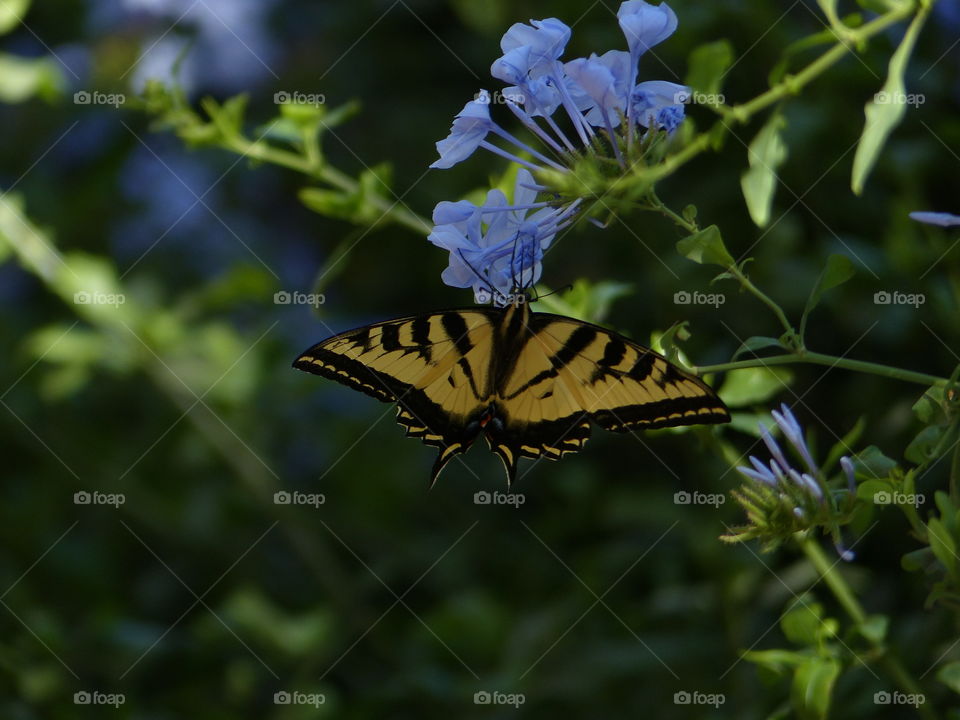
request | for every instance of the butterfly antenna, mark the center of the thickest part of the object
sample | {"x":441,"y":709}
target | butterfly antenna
{"x":484,"y":280}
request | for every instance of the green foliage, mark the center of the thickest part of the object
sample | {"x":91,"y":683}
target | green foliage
{"x":174,"y":388}
{"x":765,"y":154}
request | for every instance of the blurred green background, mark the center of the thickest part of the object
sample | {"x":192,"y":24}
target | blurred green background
{"x":599,"y":596}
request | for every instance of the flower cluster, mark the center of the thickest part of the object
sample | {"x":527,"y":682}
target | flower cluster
{"x":496,"y":248}
{"x":781,"y":500}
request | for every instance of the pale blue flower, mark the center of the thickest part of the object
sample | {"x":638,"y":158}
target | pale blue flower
{"x":936,"y":218}
{"x":544,"y":40}
{"x":659,"y":104}
{"x":497,"y":248}
{"x":645,"y":25}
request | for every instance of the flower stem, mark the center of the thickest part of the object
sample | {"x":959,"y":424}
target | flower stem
{"x":311,"y":167}
{"x":848,"y":601}
{"x":812,"y":358}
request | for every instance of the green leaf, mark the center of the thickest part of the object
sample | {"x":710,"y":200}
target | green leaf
{"x":754,"y":385}
{"x":776,"y":660}
{"x":942,"y":544}
{"x":362,"y":205}
{"x":917,"y":560}
{"x":873,"y":463}
{"x":839,"y":269}
{"x":868,"y":490}
{"x":11,"y":14}
{"x":929,"y":408}
{"x":749,"y":423}
{"x":949,"y":675}
{"x":757,"y":342}
{"x":585,"y":300}
{"x":706,"y":247}
{"x":874,"y":628}
{"x":812,"y":687}
{"x":765,"y":154}
{"x":920,"y":449}
{"x":24,"y":78}
{"x":802,"y":622}
{"x":667,"y":342}
{"x":707,"y":65}
{"x":887,"y":108}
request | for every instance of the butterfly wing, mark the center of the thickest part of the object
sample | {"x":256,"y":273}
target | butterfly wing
{"x":568,"y":374}
{"x":435,"y":367}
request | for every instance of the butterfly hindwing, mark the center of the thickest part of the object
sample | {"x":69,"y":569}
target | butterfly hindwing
{"x":567,"y":374}
{"x":434,"y":366}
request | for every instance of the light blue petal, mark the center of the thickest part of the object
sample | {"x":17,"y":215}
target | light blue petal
{"x":936,"y":218}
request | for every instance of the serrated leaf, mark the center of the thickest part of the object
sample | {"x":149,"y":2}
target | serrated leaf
{"x":707,"y":65}
{"x":839,"y":269}
{"x":706,"y":247}
{"x":766,"y":153}
{"x":812,"y":687}
{"x":949,"y":675}
{"x":886,"y":109}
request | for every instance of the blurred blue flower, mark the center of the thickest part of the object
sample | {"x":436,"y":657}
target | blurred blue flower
{"x":936,"y":218}
{"x":497,"y":248}
{"x":224,"y":44}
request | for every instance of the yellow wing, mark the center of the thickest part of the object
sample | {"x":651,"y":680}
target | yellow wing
{"x":436,"y":367}
{"x":567,"y":374}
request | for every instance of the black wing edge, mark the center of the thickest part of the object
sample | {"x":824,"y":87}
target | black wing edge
{"x":419,"y":416}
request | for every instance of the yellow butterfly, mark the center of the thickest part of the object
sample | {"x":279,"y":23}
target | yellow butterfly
{"x":530,"y":383}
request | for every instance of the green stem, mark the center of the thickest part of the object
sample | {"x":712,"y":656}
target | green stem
{"x":848,"y":601}
{"x":813,"y":358}
{"x":263,"y":151}
{"x":791,"y":84}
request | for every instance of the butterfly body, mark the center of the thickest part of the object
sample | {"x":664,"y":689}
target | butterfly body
{"x":531,"y":383}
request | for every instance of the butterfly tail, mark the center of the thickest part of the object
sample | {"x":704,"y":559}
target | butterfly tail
{"x":446,"y":454}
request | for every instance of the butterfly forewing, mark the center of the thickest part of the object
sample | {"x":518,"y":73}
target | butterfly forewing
{"x":436,"y":367}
